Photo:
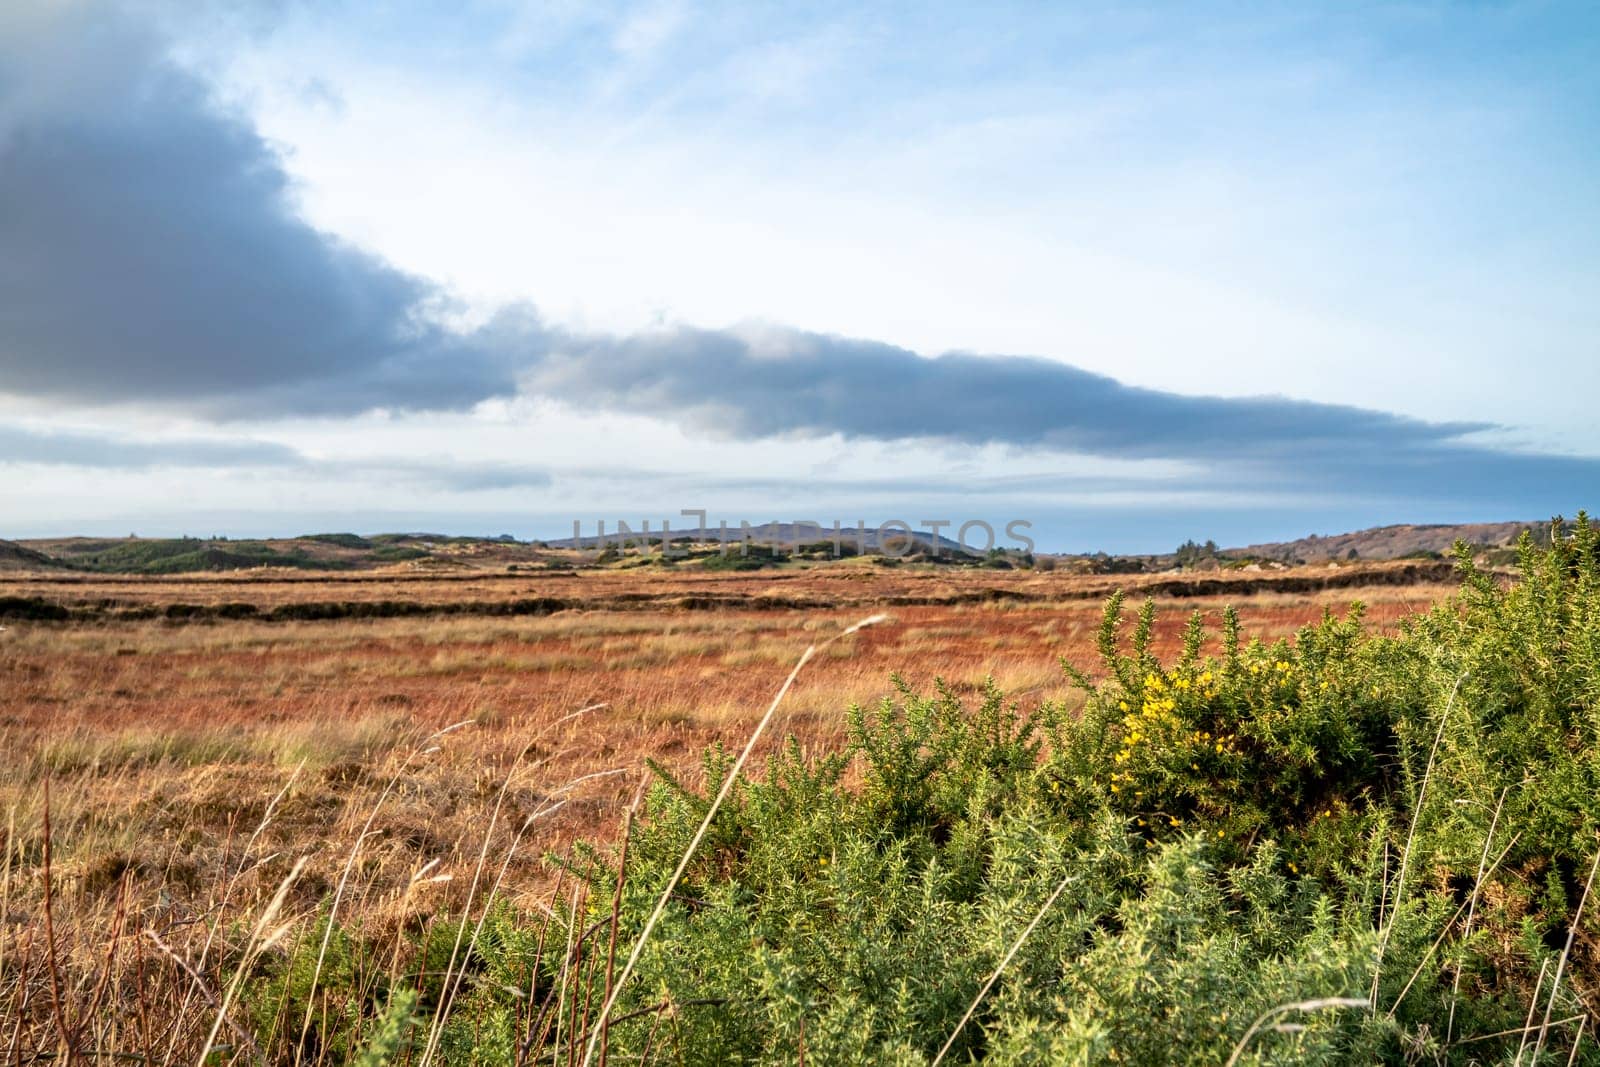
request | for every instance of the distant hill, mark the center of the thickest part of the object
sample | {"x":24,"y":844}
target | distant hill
{"x":312,"y":552}
{"x":1393,"y":542}
{"x":332,"y":552}
{"x":329,"y":552}
{"x":15,"y":557}
{"x":774,"y":534}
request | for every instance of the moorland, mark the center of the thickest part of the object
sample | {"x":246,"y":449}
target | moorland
{"x":471,"y":814}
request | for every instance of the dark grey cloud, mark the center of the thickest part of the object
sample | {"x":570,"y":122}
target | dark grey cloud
{"x":784,"y":381}
{"x":150,"y":250}
{"x":773,"y":382}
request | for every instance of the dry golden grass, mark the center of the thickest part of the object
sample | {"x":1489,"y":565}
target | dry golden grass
{"x":192,"y":766}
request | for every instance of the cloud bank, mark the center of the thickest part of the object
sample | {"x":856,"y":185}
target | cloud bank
{"x":151,"y":254}
{"x":150,"y":249}
{"x":773,"y":381}
{"x":19,"y":445}
{"x":24,"y":446}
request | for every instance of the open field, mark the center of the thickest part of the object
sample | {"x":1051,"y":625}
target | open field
{"x":120,"y":709}
{"x":204,"y":738}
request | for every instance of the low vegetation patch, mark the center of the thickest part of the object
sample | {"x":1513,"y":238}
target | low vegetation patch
{"x":185,"y":556}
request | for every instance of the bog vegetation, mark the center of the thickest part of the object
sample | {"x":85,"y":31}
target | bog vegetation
{"x":1341,"y":848}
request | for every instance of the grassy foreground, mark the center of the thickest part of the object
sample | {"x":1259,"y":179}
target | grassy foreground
{"x":1347,"y":848}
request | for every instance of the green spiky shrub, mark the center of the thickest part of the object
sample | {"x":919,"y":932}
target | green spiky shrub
{"x":1245,"y":827}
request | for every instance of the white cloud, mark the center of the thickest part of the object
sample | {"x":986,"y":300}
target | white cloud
{"x":1274,"y":205}
{"x":1039,"y":217}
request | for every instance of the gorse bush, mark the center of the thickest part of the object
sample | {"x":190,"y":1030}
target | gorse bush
{"x":1406,"y":822}
{"x":1345,"y":848}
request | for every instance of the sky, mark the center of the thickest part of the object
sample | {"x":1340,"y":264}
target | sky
{"x":1131,"y":273}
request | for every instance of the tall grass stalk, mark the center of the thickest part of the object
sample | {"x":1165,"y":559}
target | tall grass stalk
{"x":421,"y":749}
{"x":452,"y":977}
{"x":227,"y":895}
{"x":447,"y":995}
{"x":995,"y":976}
{"x":1319,"y":1004}
{"x":5,"y":883}
{"x":1513,"y":1033}
{"x":1566,"y":952}
{"x":259,"y":941}
{"x":199,"y":984}
{"x":616,"y":905}
{"x":57,"y":1007}
{"x":728,"y":783}
{"x":1533,"y":1008}
{"x":1472,"y":908}
{"x":1411,"y":836}
{"x":1445,"y":932}
{"x":561,"y":976}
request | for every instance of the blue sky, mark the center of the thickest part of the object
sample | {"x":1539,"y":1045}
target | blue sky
{"x":1136,"y":273}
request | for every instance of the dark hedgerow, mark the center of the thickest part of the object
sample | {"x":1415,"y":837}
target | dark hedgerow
{"x":1408,"y":822}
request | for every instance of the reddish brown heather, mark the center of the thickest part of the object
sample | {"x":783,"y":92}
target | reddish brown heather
{"x":192,"y":761}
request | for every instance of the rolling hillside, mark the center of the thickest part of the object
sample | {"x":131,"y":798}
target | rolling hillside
{"x":353,"y":552}
{"x":1393,"y":542}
